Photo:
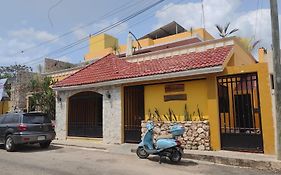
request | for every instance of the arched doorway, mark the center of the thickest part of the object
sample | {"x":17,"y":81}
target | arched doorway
{"x":85,"y":115}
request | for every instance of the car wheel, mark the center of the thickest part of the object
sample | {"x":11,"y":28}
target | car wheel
{"x":9,"y":144}
{"x":45,"y":144}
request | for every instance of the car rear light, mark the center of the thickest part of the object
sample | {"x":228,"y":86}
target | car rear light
{"x":178,"y":143}
{"x":22,"y":127}
{"x":25,"y":139}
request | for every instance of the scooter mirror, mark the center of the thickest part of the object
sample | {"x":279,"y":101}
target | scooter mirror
{"x":149,"y":125}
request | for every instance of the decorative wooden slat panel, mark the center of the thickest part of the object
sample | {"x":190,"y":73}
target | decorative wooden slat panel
{"x":175,"y":97}
{"x":174,"y":88}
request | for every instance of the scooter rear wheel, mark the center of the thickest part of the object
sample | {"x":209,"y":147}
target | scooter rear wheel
{"x":142,"y":153}
{"x":175,"y":157}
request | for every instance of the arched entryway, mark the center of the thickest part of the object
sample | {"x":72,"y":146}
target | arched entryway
{"x":85,"y":115}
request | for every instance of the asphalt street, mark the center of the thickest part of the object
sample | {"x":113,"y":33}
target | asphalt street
{"x":57,"y":160}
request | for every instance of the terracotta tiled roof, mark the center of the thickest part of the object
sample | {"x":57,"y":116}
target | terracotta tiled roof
{"x":111,"y":67}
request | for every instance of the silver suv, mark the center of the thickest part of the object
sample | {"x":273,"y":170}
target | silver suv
{"x":24,"y":128}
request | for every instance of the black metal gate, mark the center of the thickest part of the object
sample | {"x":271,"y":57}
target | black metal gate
{"x":133,"y":113}
{"x":239,"y":112}
{"x":85,"y":115}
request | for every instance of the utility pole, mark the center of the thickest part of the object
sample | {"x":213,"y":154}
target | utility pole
{"x":277,"y":72}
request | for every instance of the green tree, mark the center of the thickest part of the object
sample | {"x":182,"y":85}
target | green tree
{"x":11,"y":72}
{"x":223,"y":31}
{"x":43,"y":96}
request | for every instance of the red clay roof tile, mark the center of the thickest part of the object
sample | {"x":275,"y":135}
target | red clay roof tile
{"x":111,"y":67}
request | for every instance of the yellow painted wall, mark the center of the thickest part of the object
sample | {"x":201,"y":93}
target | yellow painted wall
{"x":196,"y":95}
{"x":242,"y":57}
{"x":61,"y":76}
{"x":4,"y":107}
{"x":201,"y":32}
{"x":265,"y":102}
{"x":212,"y":101}
{"x":205,"y":93}
{"x":101,"y":45}
{"x":265,"y":105}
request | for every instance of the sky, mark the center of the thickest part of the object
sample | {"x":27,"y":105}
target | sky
{"x":28,"y":26}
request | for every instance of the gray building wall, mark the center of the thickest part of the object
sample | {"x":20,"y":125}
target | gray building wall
{"x":112,"y":117}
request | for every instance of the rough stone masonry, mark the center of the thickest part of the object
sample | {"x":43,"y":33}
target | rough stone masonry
{"x":195,"y":137}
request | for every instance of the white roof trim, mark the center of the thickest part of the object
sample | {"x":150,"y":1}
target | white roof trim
{"x":145,"y":78}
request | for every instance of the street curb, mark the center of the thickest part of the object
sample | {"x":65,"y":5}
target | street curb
{"x":90,"y":147}
{"x":261,"y":165}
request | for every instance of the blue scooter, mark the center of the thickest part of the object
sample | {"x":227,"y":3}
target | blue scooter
{"x":165,"y":146}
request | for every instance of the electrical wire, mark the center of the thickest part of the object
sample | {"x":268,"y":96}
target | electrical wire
{"x":108,"y":14}
{"x":100,"y":31}
{"x":147,"y":17}
{"x":50,"y":9}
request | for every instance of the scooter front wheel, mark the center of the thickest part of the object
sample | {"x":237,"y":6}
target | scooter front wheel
{"x":142,"y":153}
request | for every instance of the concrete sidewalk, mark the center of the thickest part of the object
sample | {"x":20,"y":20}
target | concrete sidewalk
{"x":97,"y":144}
{"x":241,"y":159}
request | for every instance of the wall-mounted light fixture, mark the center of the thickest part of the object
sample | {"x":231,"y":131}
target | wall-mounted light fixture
{"x":58,"y":98}
{"x":108,"y":95}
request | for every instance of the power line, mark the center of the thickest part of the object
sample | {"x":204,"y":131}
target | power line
{"x":147,"y":17}
{"x":110,"y":13}
{"x":100,"y":31}
{"x":50,"y":9}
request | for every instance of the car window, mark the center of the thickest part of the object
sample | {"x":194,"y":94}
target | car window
{"x":35,"y":119}
{"x":11,"y":119}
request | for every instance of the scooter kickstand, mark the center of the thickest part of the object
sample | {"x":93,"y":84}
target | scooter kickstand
{"x":160,"y":160}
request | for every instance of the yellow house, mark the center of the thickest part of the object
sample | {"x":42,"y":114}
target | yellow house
{"x":188,"y":74}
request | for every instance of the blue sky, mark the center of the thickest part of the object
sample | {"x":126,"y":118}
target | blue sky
{"x":27,"y":23}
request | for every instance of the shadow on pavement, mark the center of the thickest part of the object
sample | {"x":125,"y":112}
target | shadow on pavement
{"x":167,"y":161}
{"x":32,"y":148}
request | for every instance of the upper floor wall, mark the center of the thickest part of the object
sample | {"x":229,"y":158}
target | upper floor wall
{"x":103,"y":44}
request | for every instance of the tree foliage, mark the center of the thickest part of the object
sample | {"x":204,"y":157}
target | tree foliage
{"x":12,"y":70}
{"x":43,"y":96}
{"x":223,"y":31}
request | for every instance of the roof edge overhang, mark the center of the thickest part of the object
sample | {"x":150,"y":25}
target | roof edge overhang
{"x":186,"y":73}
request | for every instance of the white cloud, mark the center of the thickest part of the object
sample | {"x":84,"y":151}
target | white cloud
{"x":22,"y":39}
{"x":259,"y":29}
{"x":190,"y":14}
{"x":219,"y":12}
{"x":32,"y":34}
{"x":80,"y":32}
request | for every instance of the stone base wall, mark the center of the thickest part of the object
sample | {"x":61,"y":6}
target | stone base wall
{"x":195,"y":137}
{"x":112,"y":120}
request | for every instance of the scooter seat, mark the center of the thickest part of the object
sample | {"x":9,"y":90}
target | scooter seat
{"x":166,"y":136}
